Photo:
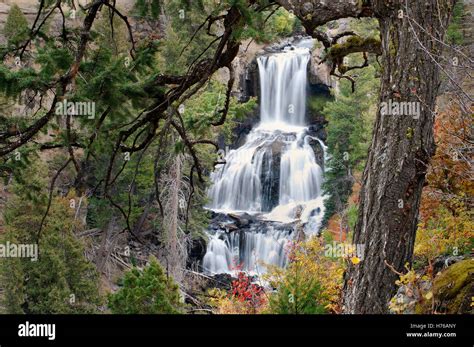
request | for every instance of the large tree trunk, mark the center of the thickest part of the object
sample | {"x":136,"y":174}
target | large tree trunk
{"x":402,"y":145}
{"x":400,"y":151}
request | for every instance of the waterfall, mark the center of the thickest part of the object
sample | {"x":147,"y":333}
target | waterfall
{"x":283,"y":88}
{"x":226,"y":253}
{"x":274,"y":176}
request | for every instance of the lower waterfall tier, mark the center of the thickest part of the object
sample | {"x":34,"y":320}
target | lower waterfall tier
{"x":250,"y":248}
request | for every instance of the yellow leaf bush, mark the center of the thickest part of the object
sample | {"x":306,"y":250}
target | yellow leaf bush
{"x":307,"y":259}
{"x":443,"y":234}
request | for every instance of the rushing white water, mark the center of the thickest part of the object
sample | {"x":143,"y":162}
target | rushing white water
{"x":283,"y":87}
{"x":227,"y":252}
{"x":300,"y":175}
{"x":219,"y":257}
{"x":274,"y":175}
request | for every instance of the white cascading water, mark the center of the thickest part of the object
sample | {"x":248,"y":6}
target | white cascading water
{"x":225,"y":254}
{"x":273,"y":176}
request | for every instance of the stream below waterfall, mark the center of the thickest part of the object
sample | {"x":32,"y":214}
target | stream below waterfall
{"x":271,"y":185}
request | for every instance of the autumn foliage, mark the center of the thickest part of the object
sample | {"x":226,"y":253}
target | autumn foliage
{"x":450,"y":181}
{"x":245,"y":291}
{"x":311,"y":283}
{"x":244,"y":297}
{"x":446,"y":219}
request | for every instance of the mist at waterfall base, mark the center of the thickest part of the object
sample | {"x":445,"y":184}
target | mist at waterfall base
{"x":273,"y":182}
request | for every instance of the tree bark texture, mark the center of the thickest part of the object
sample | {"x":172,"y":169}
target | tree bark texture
{"x":402,"y":145}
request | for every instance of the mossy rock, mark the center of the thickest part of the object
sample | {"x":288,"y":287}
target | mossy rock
{"x":453,"y":289}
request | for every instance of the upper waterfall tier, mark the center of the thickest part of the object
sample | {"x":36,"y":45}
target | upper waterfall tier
{"x":283,"y":87}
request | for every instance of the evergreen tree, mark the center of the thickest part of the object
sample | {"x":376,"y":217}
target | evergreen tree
{"x":298,"y":293}
{"x":16,"y":26}
{"x":147,"y":291}
{"x":349,"y":124}
{"x":145,"y":8}
{"x":61,"y":280}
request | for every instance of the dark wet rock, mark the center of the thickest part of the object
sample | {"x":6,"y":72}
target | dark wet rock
{"x":315,"y":117}
{"x":444,"y":261}
{"x":219,"y":218}
{"x":315,"y":212}
{"x":243,"y":223}
{"x":248,"y":82}
{"x":196,"y":251}
{"x":241,"y":131}
{"x":318,"y":130}
{"x":242,"y":220}
{"x":270,"y":176}
{"x":318,"y":151}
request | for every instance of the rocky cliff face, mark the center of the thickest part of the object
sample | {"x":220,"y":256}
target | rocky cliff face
{"x":318,"y":72}
{"x":246,"y":69}
{"x":30,"y":7}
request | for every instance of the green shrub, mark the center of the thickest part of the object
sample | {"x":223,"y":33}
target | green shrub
{"x":147,"y":291}
{"x":61,"y":280}
{"x":16,"y":26}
